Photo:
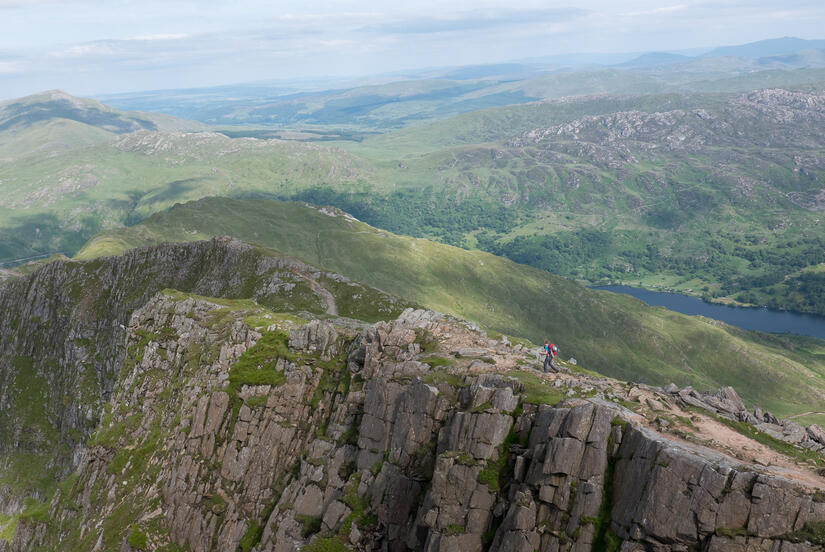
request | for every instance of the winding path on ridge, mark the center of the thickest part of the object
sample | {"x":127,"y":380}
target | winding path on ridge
{"x":318,"y":289}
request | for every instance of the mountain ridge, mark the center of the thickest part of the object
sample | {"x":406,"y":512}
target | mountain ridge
{"x":614,"y":334}
{"x":220,"y":424}
{"x":769,"y":47}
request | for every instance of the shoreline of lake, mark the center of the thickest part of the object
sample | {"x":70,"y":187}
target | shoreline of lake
{"x":749,"y":318}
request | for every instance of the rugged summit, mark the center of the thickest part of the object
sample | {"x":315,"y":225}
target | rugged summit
{"x":63,"y":338}
{"x":270,"y":424}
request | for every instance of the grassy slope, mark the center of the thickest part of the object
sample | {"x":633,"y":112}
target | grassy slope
{"x":500,"y":123}
{"x":56,"y":202}
{"x":736,"y":198}
{"x":733,"y":200}
{"x":615,"y":334}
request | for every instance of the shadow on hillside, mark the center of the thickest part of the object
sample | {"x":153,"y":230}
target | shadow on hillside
{"x":42,"y":234}
{"x":172,"y":191}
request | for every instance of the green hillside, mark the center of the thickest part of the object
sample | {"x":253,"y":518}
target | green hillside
{"x":614,"y":334}
{"x":62,"y":180}
{"x":713,"y":194}
{"x":719,"y":195}
{"x":53,"y":121}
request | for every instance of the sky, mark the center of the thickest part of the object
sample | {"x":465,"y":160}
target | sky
{"x":97,"y":47}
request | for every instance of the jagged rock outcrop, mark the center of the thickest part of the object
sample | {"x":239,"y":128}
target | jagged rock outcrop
{"x":759,"y":115}
{"x":727,"y":402}
{"x":63,"y":337}
{"x":225,"y":431}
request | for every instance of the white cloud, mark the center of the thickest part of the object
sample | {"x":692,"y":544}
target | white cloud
{"x":142,"y":44}
{"x":157,"y":37}
{"x":657,"y":11}
{"x":11,"y":67}
{"x":85,"y":50}
{"x":337,"y":43}
{"x":22,"y":3}
{"x":475,"y":20}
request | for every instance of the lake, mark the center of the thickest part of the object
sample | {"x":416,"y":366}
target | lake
{"x":749,"y":318}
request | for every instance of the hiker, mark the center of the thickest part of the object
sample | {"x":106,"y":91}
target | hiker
{"x":550,"y":352}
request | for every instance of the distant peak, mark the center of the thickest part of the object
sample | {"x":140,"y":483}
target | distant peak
{"x":54,"y":95}
{"x":58,"y":95}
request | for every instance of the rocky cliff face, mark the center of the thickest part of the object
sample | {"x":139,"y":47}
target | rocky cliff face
{"x":63,"y":339}
{"x":230,"y":426}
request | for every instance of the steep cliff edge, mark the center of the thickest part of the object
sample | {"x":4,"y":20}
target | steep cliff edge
{"x":63,"y":339}
{"x":233,"y":427}
{"x":206,"y":396}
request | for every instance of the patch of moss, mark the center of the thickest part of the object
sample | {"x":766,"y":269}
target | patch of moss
{"x":460,"y":457}
{"x":495,"y":472}
{"x":604,"y":540}
{"x":327,"y":544}
{"x":110,"y":432}
{"x":29,"y":470}
{"x":7,"y":526}
{"x":349,"y":437}
{"x":425,"y":340}
{"x":454,"y":529}
{"x":256,"y":401}
{"x":253,"y":535}
{"x":535,"y":390}
{"x":731,"y":532}
{"x":215,"y":503}
{"x":257,"y":365}
{"x":482,"y":407}
{"x":334,"y":378}
{"x":812,"y":531}
{"x":359,"y":506}
{"x":438,"y":361}
{"x":35,"y":510}
{"x":30,"y":407}
{"x":117,"y":523}
{"x":137,"y":538}
{"x":346,"y":469}
{"x":617,"y":421}
{"x":441,"y":376}
{"x":310,"y":524}
{"x":135,"y":460}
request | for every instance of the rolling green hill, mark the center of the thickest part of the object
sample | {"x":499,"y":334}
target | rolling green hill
{"x":70,"y":167}
{"x":614,"y":334}
{"x":714,"y":194}
{"x":54,"y":121}
{"x":718,"y":194}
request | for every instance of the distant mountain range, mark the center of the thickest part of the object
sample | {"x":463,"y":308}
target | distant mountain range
{"x":764,"y":48}
{"x":395,"y":101}
{"x":712,"y":189}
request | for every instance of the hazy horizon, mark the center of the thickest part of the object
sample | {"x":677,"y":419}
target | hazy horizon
{"x":89,"y":49}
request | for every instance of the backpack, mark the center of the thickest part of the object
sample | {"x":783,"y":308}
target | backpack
{"x":554,"y":349}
